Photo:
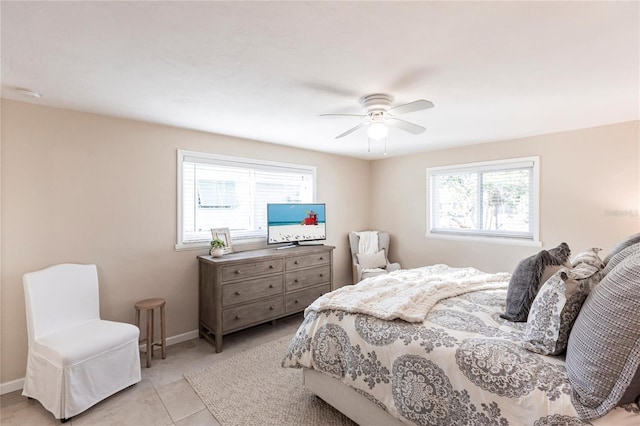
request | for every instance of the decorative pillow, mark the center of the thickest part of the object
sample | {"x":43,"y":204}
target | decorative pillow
{"x":620,"y":256}
{"x":587,"y":275}
{"x":622,"y":245}
{"x":603,"y":355}
{"x":371,"y":261}
{"x":590,"y":257}
{"x":528,"y":277}
{"x":552,"y":314}
{"x":632,"y":394}
{"x":587,"y":268}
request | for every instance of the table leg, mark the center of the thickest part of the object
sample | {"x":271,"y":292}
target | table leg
{"x":149,"y":336}
{"x":163,"y":335}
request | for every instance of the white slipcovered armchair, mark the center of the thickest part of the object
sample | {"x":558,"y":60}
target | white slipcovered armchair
{"x":75,"y":359}
{"x":369,"y":254}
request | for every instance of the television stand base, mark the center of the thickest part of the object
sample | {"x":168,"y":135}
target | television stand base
{"x":299,"y":244}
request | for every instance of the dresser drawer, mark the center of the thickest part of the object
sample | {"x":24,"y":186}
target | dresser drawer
{"x":252,"y":313}
{"x":253,"y":269}
{"x":307,"y":277}
{"x":297,"y":262}
{"x":248,"y":290}
{"x":299,"y":300}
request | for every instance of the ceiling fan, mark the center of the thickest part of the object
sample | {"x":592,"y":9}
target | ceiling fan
{"x":379,"y":115}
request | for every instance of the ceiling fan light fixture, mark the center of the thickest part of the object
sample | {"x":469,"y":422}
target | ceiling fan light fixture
{"x":377,"y":131}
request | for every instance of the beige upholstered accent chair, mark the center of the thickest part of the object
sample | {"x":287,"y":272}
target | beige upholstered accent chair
{"x":375,"y":261}
{"x":75,"y":359}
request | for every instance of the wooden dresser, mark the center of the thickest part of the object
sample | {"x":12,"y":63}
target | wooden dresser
{"x":239,"y":290}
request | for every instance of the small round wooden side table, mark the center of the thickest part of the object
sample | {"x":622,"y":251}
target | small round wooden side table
{"x":149,"y":305}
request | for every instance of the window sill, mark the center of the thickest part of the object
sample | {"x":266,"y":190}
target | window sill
{"x":490,"y":240}
{"x":192,"y":246}
{"x":252,"y":244}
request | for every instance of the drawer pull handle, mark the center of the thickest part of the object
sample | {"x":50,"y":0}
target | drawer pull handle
{"x":295,"y":262}
{"x":237,"y":294}
{"x":270,"y":285}
{"x":237,"y":317}
{"x":271,"y":308}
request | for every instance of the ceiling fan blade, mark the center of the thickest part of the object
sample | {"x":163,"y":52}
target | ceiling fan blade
{"x":410,"y":107}
{"x":353,"y":129}
{"x":342,"y":115}
{"x":404,"y":125}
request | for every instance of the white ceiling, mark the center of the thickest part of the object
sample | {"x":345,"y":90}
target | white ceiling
{"x":266,"y":70}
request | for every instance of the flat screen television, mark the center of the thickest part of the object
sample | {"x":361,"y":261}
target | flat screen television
{"x":295,"y":223}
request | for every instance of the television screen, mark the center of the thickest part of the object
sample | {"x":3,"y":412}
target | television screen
{"x":294,"y":223}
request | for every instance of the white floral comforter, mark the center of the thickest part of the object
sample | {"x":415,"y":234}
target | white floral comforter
{"x":463,"y":365}
{"x":408,"y":294}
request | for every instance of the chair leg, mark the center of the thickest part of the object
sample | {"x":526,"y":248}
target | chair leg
{"x":163,"y":336}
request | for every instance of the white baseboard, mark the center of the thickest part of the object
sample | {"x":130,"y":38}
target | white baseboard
{"x":189,"y":335}
{"x":17,"y":384}
{"x":174,"y":340}
{"x":11,"y":386}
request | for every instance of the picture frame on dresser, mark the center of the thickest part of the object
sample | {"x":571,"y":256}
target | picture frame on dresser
{"x":224,"y":235}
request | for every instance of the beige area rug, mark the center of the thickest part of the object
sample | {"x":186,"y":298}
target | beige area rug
{"x":251,"y":388}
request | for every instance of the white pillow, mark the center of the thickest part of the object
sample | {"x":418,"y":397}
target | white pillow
{"x":370,"y":261}
{"x":552,"y":314}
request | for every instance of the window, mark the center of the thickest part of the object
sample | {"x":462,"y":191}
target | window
{"x":495,"y":200}
{"x":227,"y":192}
{"x":216,"y":194}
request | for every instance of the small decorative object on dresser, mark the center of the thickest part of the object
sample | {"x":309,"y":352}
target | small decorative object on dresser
{"x":224,"y":235}
{"x":217,"y":247}
{"x":248,"y":288}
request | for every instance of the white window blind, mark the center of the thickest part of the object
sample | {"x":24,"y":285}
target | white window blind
{"x":497,"y":199}
{"x":228,"y":192}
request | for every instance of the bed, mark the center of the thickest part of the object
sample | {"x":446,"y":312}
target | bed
{"x":461,"y":365}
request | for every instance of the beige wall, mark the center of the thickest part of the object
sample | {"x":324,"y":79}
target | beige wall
{"x":583,"y":175}
{"x":92,"y":189}
{"x":86,"y":188}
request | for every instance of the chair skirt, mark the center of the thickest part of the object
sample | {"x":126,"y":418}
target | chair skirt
{"x":68,"y":382}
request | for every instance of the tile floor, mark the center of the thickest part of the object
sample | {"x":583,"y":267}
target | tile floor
{"x":163,"y":396}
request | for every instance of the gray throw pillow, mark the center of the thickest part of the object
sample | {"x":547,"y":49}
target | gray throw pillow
{"x":622,"y":245}
{"x":527,"y":279}
{"x":553,"y":312}
{"x":603,"y":355}
{"x":620,"y":256}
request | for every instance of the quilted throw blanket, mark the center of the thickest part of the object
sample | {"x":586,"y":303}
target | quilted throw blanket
{"x":462,"y":365}
{"x":408,"y":294}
